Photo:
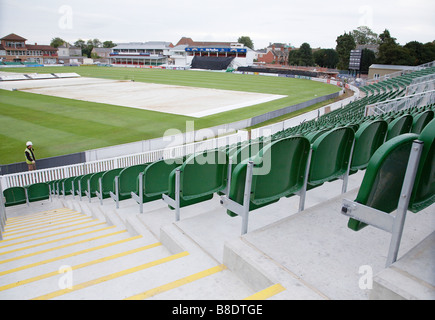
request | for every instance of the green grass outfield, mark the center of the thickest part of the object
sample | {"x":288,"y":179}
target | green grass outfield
{"x":59,"y":126}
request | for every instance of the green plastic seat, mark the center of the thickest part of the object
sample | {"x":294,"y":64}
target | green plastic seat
{"x":201,"y":175}
{"x":423,"y":194}
{"x":368,"y":138}
{"x":330,"y":156}
{"x":14,"y":196}
{"x":107,"y":184}
{"x":421,"y":120}
{"x":279,"y":171}
{"x":128,"y":180}
{"x":67,"y":185}
{"x":383,"y":179}
{"x":83,"y":181}
{"x":38,"y":192}
{"x":75,"y":184}
{"x":399,"y":126}
{"x":93,"y":183}
{"x":155,"y":179}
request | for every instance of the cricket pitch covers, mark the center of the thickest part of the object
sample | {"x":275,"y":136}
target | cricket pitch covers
{"x":181,"y":100}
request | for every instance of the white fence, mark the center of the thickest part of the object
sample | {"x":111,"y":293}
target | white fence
{"x":415,"y":100}
{"x":46,"y":175}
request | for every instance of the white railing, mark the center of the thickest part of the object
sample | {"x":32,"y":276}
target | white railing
{"x":46,"y":175}
{"x":401,"y":103}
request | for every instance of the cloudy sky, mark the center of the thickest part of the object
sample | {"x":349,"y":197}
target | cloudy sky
{"x":317,"y":22}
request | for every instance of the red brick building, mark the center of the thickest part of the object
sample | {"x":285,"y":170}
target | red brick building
{"x":13,"y":49}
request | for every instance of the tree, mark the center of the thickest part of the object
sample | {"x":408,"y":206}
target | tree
{"x":367,"y":59}
{"x":302,"y":56}
{"x":392,"y":53}
{"x":326,"y":58}
{"x":57,"y":42}
{"x":108,"y":44}
{"x":364,"y":35}
{"x":246,"y":41}
{"x":345,"y":43}
{"x":421,"y":53}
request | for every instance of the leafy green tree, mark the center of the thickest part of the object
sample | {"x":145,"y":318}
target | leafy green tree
{"x":367,"y":59}
{"x":327,"y":58}
{"x":108,"y":44}
{"x":246,"y":41}
{"x":364,"y":35}
{"x":421,"y":53}
{"x":345,"y":43}
{"x":57,"y":42}
{"x":392,"y":53}
{"x":302,"y":56}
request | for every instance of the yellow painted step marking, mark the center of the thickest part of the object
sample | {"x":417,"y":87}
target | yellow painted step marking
{"x":111,"y":276}
{"x":39,"y":217}
{"x":85,"y":264}
{"x":266,"y":293}
{"x":51,"y":235}
{"x":58,"y":247}
{"x":47,"y":223}
{"x":56,"y":240}
{"x":42,"y":232}
{"x":50,"y":225}
{"x":15,"y":225}
{"x":177,"y":283}
{"x":36,"y":216}
{"x":17,"y":218}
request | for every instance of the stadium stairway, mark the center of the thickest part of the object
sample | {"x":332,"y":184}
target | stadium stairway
{"x":111,"y":253}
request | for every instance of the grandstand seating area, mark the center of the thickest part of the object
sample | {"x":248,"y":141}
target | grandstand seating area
{"x":256,"y":173}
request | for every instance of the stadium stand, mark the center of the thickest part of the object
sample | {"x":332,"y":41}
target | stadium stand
{"x":395,"y":149}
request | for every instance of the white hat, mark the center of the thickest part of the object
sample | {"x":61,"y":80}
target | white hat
{"x":29,"y":143}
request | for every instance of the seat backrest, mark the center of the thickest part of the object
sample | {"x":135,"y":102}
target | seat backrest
{"x":279,"y":170}
{"x":383,"y":179}
{"x":38,"y":192}
{"x":421,"y":120}
{"x":368,"y":138}
{"x":203,"y":174}
{"x":156,"y":177}
{"x":68,"y":185}
{"x":399,"y":126}
{"x":423,"y":194}
{"x":330,"y":157}
{"x":93,"y":181}
{"x":84,"y":182}
{"x":14,"y":196}
{"x":128,"y":178}
{"x":107,"y":180}
{"x":245,"y":152}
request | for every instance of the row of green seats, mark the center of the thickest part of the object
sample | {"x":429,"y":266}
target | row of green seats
{"x":19,"y":195}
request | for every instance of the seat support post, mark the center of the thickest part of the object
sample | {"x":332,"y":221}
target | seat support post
{"x":383,"y":220}
{"x":405,"y":195}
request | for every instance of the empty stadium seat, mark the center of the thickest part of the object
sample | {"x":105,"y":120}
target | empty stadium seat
{"x":278,"y":170}
{"x":93,"y":186}
{"x":368,"y":138}
{"x":196,"y":180}
{"x":331,"y":157}
{"x":421,"y":120}
{"x":400,"y":176}
{"x":38,"y":192}
{"x":126,"y":182}
{"x":14,"y":196}
{"x":106,"y":185}
{"x":399,"y":125}
{"x":153,"y":182}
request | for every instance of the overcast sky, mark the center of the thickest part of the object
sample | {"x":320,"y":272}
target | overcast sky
{"x":317,"y":22}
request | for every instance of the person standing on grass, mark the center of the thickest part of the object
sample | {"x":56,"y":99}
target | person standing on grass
{"x":30,"y":156}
